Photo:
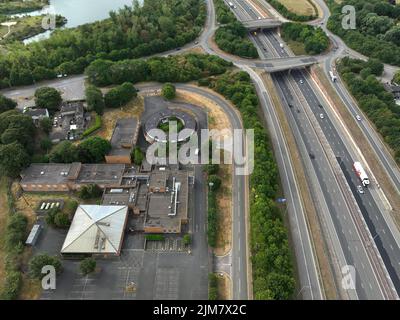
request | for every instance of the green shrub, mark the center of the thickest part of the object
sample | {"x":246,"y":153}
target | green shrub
{"x":87,"y":266}
{"x":155,"y":237}
{"x":38,"y":262}
{"x":12,"y":285}
{"x":96,"y":126}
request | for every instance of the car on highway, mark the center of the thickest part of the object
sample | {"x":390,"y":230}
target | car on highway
{"x":312,"y":156}
{"x":322,"y":116}
{"x":301,"y":81}
{"x":358,"y":117}
{"x":360,"y":190}
{"x":320,"y":105}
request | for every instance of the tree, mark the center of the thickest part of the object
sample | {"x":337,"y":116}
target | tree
{"x":13,"y":159}
{"x":16,"y":232}
{"x":87,"y":266}
{"x":137,"y":156}
{"x":168,"y":91}
{"x":93,"y":149}
{"x":91,"y":191}
{"x":38,"y":262}
{"x":61,"y":220}
{"x":64,"y":152}
{"x":94,"y":99}
{"x":46,"y":144}
{"x":214,"y":182}
{"x":46,"y":125}
{"x":120,"y":95}
{"x":48,"y":98}
{"x":6,"y":104}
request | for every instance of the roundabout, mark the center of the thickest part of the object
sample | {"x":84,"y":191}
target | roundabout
{"x":161,"y":121}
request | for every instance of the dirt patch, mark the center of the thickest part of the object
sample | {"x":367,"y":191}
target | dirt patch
{"x":109,"y":119}
{"x":217,"y":120}
{"x":379,"y":172}
{"x":308,"y":204}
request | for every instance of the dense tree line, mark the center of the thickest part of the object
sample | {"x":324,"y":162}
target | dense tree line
{"x":90,"y":150}
{"x":21,"y":6}
{"x":16,"y":141}
{"x":14,"y":237}
{"x":170,"y":69}
{"x":377,"y":32}
{"x":272,"y":264}
{"x":130,"y":33}
{"x":314,"y":39}
{"x":290,"y":14}
{"x":232,"y":38}
{"x":373,"y":99}
{"x":223,"y":13}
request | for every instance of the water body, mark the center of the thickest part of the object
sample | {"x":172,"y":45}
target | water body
{"x":77,"y":12}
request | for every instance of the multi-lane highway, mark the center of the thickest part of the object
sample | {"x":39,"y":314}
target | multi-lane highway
{"x":299,"y":84}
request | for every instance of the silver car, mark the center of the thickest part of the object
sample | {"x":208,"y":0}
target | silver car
{"x":360,"y":190}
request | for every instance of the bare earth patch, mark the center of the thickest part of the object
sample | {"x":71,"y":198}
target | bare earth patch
{"x":110,"y":116}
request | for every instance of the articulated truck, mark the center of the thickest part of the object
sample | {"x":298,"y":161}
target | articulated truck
{"x":333,"y":77}
{"x":360,"y":172}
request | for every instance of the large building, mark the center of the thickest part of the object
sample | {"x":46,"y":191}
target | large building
{"x":123,"y":140}
{"x":96,"y":230}
{"x":54,"y":177}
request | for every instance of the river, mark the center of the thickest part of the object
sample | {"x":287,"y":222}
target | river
{"x":78,"y":12}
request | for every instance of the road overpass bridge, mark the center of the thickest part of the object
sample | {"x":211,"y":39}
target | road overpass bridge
{"x":258,"y":24}
{"x":282,"y":64}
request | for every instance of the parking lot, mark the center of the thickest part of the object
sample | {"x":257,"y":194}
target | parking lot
{"x":168,"y":245}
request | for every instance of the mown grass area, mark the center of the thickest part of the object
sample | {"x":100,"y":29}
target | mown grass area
{"x":300,"y":7}
{"x":297,"y":47}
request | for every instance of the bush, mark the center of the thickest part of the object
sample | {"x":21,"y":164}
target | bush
{"x":87,"y":266}
{"x":155,"y":237}
{"x":137,"y":156}
{"x":61,"y":220}
{"x":169,"y":91}
{"x":48,"y":98}
{"x":212,"y":287}
{"x":187,"y":239}
{"x":12,"y":285}
{"x":94,"y":99}
{"x":212,"y":169}
{"x":38,"y":262}
{"x":16,"y":233}
{"x":97,"y":125}
{"x":91,"y":191}
{"x":214,"y":182}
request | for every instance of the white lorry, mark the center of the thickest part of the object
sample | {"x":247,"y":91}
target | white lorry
{"x":333,"y":77}
{"x":360,"y":172}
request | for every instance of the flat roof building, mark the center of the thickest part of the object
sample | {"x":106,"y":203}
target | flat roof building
{"x":54,"y":177}
{"x":123,"y":140}
{"x":96,"y":230}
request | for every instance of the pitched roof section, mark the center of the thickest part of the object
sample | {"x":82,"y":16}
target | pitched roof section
{"x":96,"y":229}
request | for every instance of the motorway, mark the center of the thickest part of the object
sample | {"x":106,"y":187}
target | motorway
{"x":304,"y":119}
{"x":388,"y":247}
